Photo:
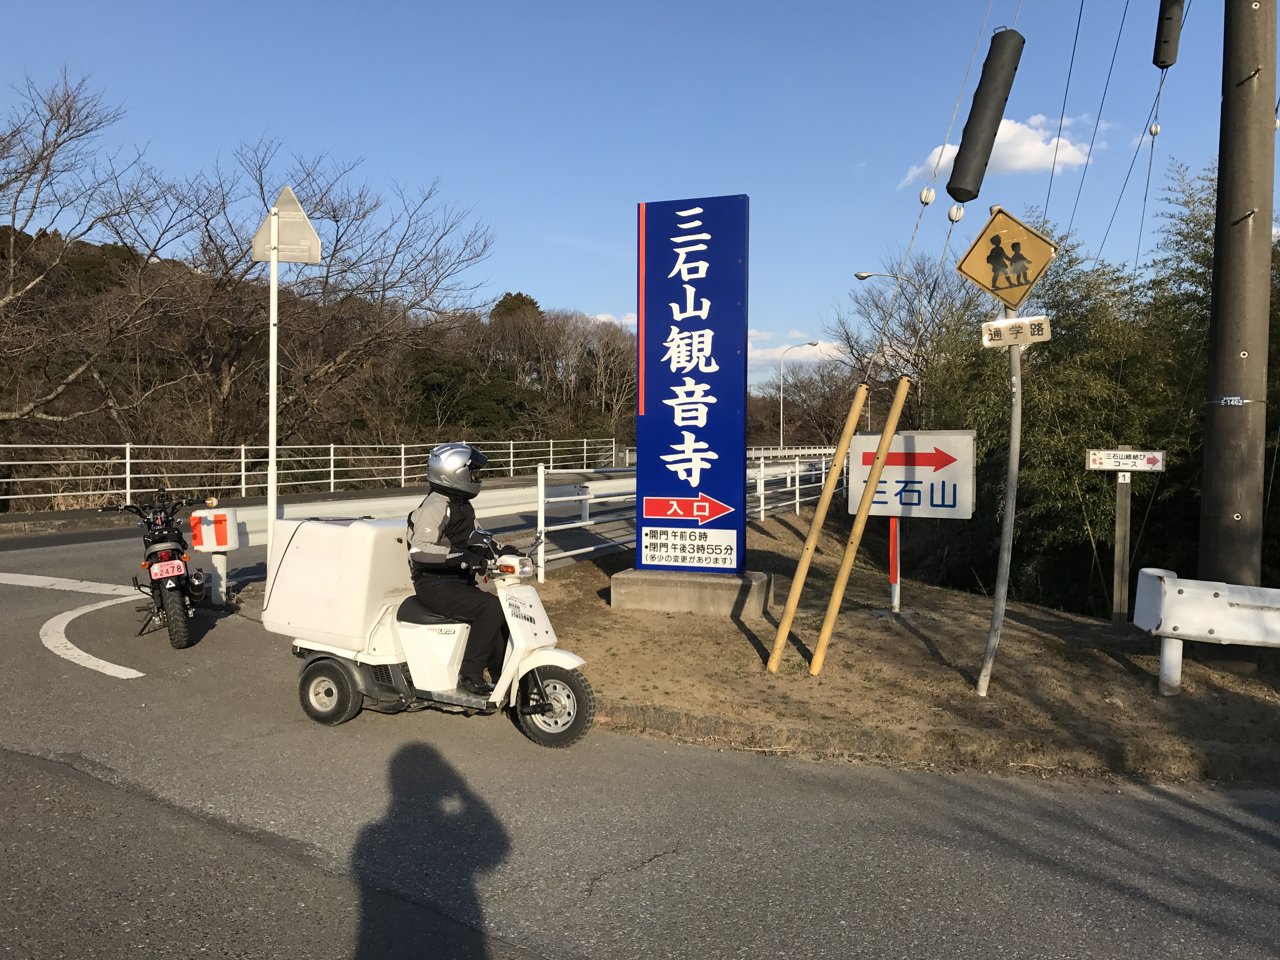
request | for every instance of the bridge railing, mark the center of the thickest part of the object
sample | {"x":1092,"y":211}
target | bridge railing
{"x":39,"y":477}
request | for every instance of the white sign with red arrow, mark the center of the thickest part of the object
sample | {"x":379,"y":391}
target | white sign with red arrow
{"x":927,"y":473}
{"x":700,"y":508}
{"x":1146,"y":461}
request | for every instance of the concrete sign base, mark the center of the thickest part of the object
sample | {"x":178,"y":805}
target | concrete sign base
{"x":716,"y":594}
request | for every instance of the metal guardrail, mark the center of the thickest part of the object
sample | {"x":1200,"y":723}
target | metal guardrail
{"x":76,"y":476}
{"x":773,"y":486}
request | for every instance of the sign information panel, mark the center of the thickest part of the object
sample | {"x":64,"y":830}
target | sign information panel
{"x":1015,"y":331}
{"x":928,"y":473}
{"x":1146,"y":461}
{"x":691,"y":425}
{"x":1007,"y":259}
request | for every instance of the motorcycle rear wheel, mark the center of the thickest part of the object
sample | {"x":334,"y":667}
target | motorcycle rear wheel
{"x":572,"y":705}
{"x":175,"y":618}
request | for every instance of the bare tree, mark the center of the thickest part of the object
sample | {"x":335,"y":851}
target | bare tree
{"x":57,"y":190}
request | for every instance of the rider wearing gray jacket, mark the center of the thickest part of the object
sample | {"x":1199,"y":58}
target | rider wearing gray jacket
{"x":443,"y":563}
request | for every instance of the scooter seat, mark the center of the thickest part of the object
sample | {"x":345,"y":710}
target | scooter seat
{"x":413,"y":611}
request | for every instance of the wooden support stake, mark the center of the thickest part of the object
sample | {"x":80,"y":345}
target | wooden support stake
{"x":815,"y":528}
{"x":859,"y":525}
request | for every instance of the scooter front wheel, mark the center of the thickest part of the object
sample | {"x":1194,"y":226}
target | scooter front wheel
{"x":557,"y":712}
{"x":328,"y":694}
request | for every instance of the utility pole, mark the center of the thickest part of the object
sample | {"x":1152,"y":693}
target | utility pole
{"x":1236,"y":385}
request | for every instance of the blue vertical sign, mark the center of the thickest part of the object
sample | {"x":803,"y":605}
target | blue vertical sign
{"x":691,"y":424}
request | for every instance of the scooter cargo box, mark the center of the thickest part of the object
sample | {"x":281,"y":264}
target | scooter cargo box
{"x":332,"y":578}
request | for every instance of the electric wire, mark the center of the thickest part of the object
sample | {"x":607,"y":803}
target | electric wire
{"x":1062,"y":116}
{"x":1016,"y":13}
{"x":1124,"y":186}
{"x":933,"y":176}
{"x":1097,"y":122}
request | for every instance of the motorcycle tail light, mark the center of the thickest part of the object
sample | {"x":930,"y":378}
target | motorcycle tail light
{"x":164,"y":555}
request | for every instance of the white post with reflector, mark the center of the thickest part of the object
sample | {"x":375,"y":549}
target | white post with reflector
{"x":216,"y":532}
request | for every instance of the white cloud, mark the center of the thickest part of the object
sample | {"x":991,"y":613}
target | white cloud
{"x":761,"y":335}
{"x":767,"y":358}
{"x":798,"y":335}
{"x":1019,"y":148}
{"x":628,"y":321}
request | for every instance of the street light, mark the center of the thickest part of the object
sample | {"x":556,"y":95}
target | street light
{"x":781,"y":357}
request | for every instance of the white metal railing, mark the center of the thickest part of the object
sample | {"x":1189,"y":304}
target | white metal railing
{"x":757,"y":453}
{"x":70,"y":476}
{"x":773,"y":487}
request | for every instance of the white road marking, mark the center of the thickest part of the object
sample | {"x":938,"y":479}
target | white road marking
{"x":74,"y":586}
{"x":53,"y":634}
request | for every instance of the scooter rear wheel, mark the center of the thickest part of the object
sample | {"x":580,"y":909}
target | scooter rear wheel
{"x":327,"y":693}
{"x":570,"y":702}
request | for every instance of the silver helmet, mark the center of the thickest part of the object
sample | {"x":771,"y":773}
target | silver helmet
{"x":456,"y":467}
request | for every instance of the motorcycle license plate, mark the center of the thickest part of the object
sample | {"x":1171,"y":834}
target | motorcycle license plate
{"x":169,"y":568}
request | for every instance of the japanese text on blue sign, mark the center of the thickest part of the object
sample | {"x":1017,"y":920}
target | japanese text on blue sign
{"x":691,"y":410}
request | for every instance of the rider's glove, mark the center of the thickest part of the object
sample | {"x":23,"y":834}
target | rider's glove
{"x":466,"y":560}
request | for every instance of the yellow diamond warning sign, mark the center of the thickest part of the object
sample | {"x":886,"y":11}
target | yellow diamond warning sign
{"x":1007,"y":258}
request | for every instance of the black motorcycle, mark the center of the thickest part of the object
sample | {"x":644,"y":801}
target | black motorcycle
{"x":172,"y":584}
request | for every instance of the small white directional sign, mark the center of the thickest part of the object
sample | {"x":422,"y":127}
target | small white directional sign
{"x":1015,"y":331}
{"x":1144,"y":461}
{"x":298,"y":241}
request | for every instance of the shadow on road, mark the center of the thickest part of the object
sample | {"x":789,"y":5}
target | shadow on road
{"x":419,"y":865}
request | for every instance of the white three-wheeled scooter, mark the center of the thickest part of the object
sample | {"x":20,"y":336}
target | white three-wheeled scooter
{"x":341,"y":590}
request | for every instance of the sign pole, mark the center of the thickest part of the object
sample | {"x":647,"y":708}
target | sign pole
{"x":1010,"y":506}
{"x":895,"y":586}
{"x":1120,"y":566}
{"x":272,"y":388}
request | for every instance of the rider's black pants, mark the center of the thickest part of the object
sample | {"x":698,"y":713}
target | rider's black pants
{"x":453,"y":597}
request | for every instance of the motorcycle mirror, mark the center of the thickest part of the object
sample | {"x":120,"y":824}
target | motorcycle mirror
{"x":211,"y":502}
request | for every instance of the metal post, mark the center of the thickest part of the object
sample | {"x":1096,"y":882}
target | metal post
{"x":219,"y":578}
{"x":128,"y":473}
{"x":332,"y":469}
{"x":551,"y":454}
{"x":797,"y":486}
{"x":244,"y":477}
{"x":895,"y":585}
{"x":1231,"y":502}
{"x":760,"y":486}
{"x":511,"y":457}
{"x":404,"y":477}
{"x":1010,"y":507}
{"x":272,"y":380}
{"x":613,"y":451}
{"x":542,"y":522}
{"x":584,"y":453}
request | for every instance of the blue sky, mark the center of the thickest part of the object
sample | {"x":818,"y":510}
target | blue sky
{"x":551,"y":120}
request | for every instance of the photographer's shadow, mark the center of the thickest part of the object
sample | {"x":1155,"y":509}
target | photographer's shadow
{"x":418,"y":866}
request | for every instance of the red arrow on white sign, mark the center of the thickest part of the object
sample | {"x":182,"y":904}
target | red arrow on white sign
{"x":938,"y":459}
{"x":701,"y":508}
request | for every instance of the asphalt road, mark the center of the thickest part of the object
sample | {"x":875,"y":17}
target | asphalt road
{"x":196,"y":807}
